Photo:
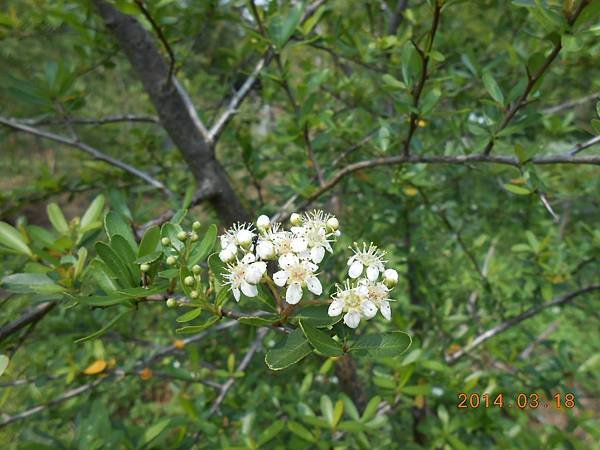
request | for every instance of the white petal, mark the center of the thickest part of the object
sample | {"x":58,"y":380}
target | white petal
{"x":314,"y":285}
{"x":372,"y":273}
{"x":336,"y":307}
{"x":350,"y":260}
{"x":362,"y":290}
{"x":249,"y":290}
{"x":386,"y":311}
{"x":293,"y":294}
{"x":265,"y":250}
{"x":248,"y":258}
{"x":352,"y":319}
{"x":355,"y":269}
{"x":280,"y":278}
{"x":255,"y":272}
{"x":317,"y":254}
{"x":368,"y":309}
{"x":288,"y":260}
{"x":236,"y":294}
{"x":299,"y":244}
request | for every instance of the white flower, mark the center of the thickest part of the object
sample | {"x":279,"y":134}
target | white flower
{"x":314,"y":235}
{"x":295,"y":219}
{"x":263,"y":222}
{"x":244,"y":275}
{"x":354,"y":302}
{"x":240,"y":234}
{"x":369,"y":257}
{"x":390,"y":278}
{"x":283,"y":241}
{"x":378,"y":293}
{"x":297,"y":273}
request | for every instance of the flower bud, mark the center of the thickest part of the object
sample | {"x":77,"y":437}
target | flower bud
{"x":165,"y":241}
{"x":144,"y":267}
{"x":390,"y":278}
{"x":333,"y":224}
{"x":194,"y":294}
{"x":171,"y":260}
{"x":265,"y":250}
{"x":263,"y":222}
{"x":182,"y":235}
{"x":194,"y":236}
{"x":244,"y":237}
{"x":296,"y":219}
{"x":196,"y":269}
{"x":196,"y":226}
{"x":171,"y":302}
{"x":188,"y":281}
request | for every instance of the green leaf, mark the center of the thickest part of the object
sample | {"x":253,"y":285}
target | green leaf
{"x":429,"y":100}
{"x":282,"y":27}
{"x":371,"y":409}
{"x":293,"y":350}
{"x":202,"y":250}
{"x":322,"y":342}
{"x":270,"y":432}
{"x":519,"y":190}
{"x":190,"y":315}
{"x":11,"y":238}
{"x":115,"y":224}
{"x":154,"y":431}
{"x":94,"y":211}
{"x":392,"y":82}
{"x":57,"y":219}
{"x":300,"y":431}
{"x":103,"y":300}
{"x":120,"y":245}
{"x":104,"y":329}
{"x":316,"y":316}
{"x":31,"y":282}
{"x":596,"y":125}
{"x":114,"y":264}
{"x":141,"y":292}
{"x":197,"y":328}
{"x":149,"y":258}
{"x":149,"y":242}
{"x":492,"y":87}
{"x":4,"y":360}
{"x":389,"y":344}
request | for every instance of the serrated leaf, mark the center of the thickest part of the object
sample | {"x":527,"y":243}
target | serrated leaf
{"x":322,"y":342}
{"x":294,"y":348}
{"x":389,"y":344}
{"x":203,"y":249}
{"x":12,"y":239}
{"x":57,"y":219}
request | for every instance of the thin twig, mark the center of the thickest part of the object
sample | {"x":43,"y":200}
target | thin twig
{"x":583,"y":145}
{"x":30,"y":316}
{"x":512,"y":321}
{"x":96,"y":154}
{"x":134,"y":118}
{"x":570,"y":104}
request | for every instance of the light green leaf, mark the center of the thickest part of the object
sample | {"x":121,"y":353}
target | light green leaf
{"x":94,"y":211}
{"x":196,"y":328}
{"x":371,"y":409}
{"x":327,"y":409}
{"x":114,"y":264}
{"x":492,"y":87}
{"x":300,"y":431}
{"x":322,"y":342}
{"x":293,"y":350}
{"x":190,"y":315}
{"x":115,"y":224}
{"x":31,"y":282}
{"x":154,"y":431}
{"x":12,"y":239}
{"x":57,"y":219}
{"x":282,"y":27}
{"x":149,"y":241}
{"x":270,"y":432}
{"x":4,"y":360}
{"x":519,"y":190}
{"x":149,"y":258}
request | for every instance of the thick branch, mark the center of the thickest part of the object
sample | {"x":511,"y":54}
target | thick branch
{"x":515,"y":320}
{"x":175,"y":110}
{"x":95,"y":153}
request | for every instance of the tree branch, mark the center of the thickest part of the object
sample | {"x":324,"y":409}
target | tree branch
{"x":532,"y":80}
{"x":583,"y":145}
{"x":480,"y":339}
{"x":95,"y":153}
{"x":93,"y":121}
{"x":30,"y":316}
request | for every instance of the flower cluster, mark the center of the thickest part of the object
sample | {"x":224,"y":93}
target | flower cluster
{"x":290,"y":258}
{"x":362,"y":296}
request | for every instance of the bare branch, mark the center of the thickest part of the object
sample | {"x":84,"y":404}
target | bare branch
{"x":96,"y":154}
{"x":30,"y":316}
{"x":571,"y":103}
{"x":397,"y":16}
{"x":93,"y":121}
{"x":509,"y":323}
{"x":582,"y":146}
{"x":532,"y":80}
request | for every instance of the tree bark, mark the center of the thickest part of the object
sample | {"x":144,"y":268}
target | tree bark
{"x":173,"y":112}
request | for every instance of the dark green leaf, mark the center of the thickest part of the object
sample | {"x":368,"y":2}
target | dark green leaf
{"x":290,"y":352}
{"x":389,"y":344}
{"x":322,"y":342}
{"x":202,"y":250}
